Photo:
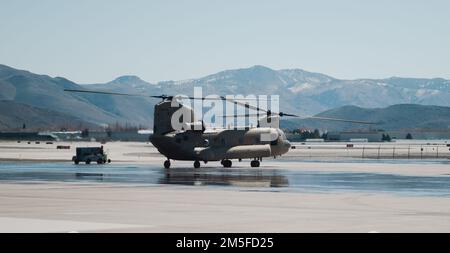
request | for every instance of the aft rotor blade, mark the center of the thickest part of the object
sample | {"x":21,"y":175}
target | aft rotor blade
{"x":246,"y":105}
{"x":281,"y":114}
{"x":241,"y":115}
{"x":158,"y":96}
{"x":218,"y":98}
{"x":114,"y":93}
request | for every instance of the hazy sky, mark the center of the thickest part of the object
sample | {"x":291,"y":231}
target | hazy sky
{"x":96,"y":41}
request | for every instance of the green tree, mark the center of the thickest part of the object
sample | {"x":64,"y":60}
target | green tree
{"x":109,"y":132}
{"x":409,"y":136}
{"x":85,"y":133}
{"x":386,"y":137}
{"x":316,"y":134}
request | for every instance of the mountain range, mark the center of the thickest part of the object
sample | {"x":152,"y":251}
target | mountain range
{"x":391,"y":118}
{"x":301,"y":92}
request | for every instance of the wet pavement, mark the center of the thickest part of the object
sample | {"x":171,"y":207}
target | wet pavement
{"x":258,"y":179}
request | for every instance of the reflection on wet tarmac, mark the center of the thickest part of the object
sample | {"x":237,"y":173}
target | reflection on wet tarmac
{"x":142,"y":174}
{"x":225,"y":177}
{"x":261,"y":178}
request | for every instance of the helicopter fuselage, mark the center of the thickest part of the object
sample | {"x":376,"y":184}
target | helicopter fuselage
{"x":223,"y":144}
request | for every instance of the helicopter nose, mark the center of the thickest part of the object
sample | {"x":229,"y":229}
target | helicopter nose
{"x":287,"y":145}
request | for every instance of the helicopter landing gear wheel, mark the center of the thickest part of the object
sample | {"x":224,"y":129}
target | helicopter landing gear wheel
{"x":254,"y":163}
{"x":167,"y":164}
{"x":196,"y":164}
{"x":227,"y":163}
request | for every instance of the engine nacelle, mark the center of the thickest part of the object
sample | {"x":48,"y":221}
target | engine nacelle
{"x":194,"y":126}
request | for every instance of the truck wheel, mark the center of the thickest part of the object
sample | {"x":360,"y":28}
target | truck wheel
{"x":76,"y":161}
{"x":88,"y":161}
{"x":196,"y":164}
{"x":109,"y":160}
{"x":100,"y":161}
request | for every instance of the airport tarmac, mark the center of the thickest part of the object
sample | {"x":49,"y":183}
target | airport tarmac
{"x":274,"y":176}
{"x":44,"y":192}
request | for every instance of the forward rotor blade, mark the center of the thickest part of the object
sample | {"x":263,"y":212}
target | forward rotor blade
{"x":281,"y":114}
{"x":342,"y":120}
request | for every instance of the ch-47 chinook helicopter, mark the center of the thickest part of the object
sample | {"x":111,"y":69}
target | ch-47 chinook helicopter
{"x":196,"y":143}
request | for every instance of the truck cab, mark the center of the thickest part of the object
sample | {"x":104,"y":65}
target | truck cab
{"x":90,"y":154}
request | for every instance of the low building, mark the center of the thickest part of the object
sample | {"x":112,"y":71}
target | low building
{"x":375,"y":136}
